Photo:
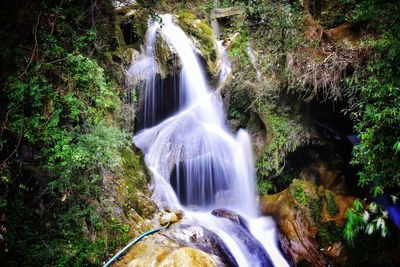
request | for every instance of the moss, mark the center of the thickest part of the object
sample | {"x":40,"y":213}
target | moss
{"x":299,"y":195}
{"x":204,"y":34}
{"x":328,"y":234}
{"x":311,"y":202}
{"x":331,"y":204}
{"x":133,"y":185}
{"x":238,"y":50}
{"x":265,"y":186}
{"x":315,"y":208}
{"x":284,"y":136}
{"x":328,"y":231}
{"x":133,"y":166}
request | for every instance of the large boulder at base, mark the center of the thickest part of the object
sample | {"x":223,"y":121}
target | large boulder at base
{"x":188,"y":257}
{"x":309,"y":219}
{"x":150,"y":251}
{"x":160,"y":251}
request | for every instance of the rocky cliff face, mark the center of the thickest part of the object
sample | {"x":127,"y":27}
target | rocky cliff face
{"x":289,"y":63}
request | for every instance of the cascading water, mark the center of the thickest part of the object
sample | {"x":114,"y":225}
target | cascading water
{"x":197,"y":164}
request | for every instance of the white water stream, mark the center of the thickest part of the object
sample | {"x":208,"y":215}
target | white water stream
{"x":197,"y":163}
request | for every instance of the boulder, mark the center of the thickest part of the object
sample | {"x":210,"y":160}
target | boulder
{"x":168,"y":217}
{"x":201,"y":238}
{"x":232,"y":216}
{"x":322,"y":174}
{"x":160,"y":251}
{"x":167,"y":57}
{"x":309,"y":219}
{"x":150,"y":251}
{"x":187,"y":257}
{"x":123,"y":5}
{"x":218,"y":13}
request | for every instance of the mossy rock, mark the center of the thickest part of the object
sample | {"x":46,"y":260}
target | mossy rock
{"x":167,"y":57}
{"x":311,"y":219}
{"x":204,"y":36}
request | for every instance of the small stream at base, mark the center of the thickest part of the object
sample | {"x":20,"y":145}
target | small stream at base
{"x":198,"y":165}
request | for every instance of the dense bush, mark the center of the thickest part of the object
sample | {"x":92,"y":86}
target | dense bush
{"x":374,"y":98}
{"x":59,"y":135}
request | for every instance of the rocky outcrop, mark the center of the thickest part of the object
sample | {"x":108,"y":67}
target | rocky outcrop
{"x":167,"y":257}
{"x":167,"y":57}
{"x":204,"y":38}
{"x":240,"y":230}
{"x":232,"y":216}
{"x":310,"y":219}
{"x":320,"y":173}
{"x":180,"y":245}
{"x":193,"y":235}
{"x":187,"y":257}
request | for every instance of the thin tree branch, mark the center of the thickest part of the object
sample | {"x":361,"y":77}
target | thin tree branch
{"x":55,"y":19}
{"x":36,"y":44}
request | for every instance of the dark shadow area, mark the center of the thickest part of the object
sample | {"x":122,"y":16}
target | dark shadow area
{"x":159,"y":102}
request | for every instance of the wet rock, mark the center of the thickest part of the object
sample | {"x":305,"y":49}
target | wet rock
{"x":127,"y":117}
{"x":253,"y":246}
{"x":241,"y":231}
{"x":169,"y":217}
{"x":232,"y":216}
{"x":204,"y":39}
{"x":165,"y":249}
{"x":203,"y":239}
{"x":310,"y":219}
{"x":167,"y":57}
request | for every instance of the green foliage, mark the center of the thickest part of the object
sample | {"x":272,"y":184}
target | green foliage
{"x":371,"y":220}
{"x":355,"y":221}
{"x":331,"y":204}
{"x":238,"y":50}
{"x":265,"y":186}
{"x":374,"y":97}
{"x":300,"y":195}
{"x":284,"y":138}
{"x":208,"y":5}
{"x":74,"y":155}
{"x":239,"y":108}
{"x":61,"y":107}
{"x":275,"y":25}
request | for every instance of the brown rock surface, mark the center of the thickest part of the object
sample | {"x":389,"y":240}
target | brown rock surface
{"x":160,"y":251}
{"x":309,"y":219}
{"x":188,"y":257}
{"x":321,"y":174}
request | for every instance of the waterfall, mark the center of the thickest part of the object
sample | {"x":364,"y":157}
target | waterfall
{"x":198,"y":165}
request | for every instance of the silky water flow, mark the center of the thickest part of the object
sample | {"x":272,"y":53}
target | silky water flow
{"x":198,"y":165}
